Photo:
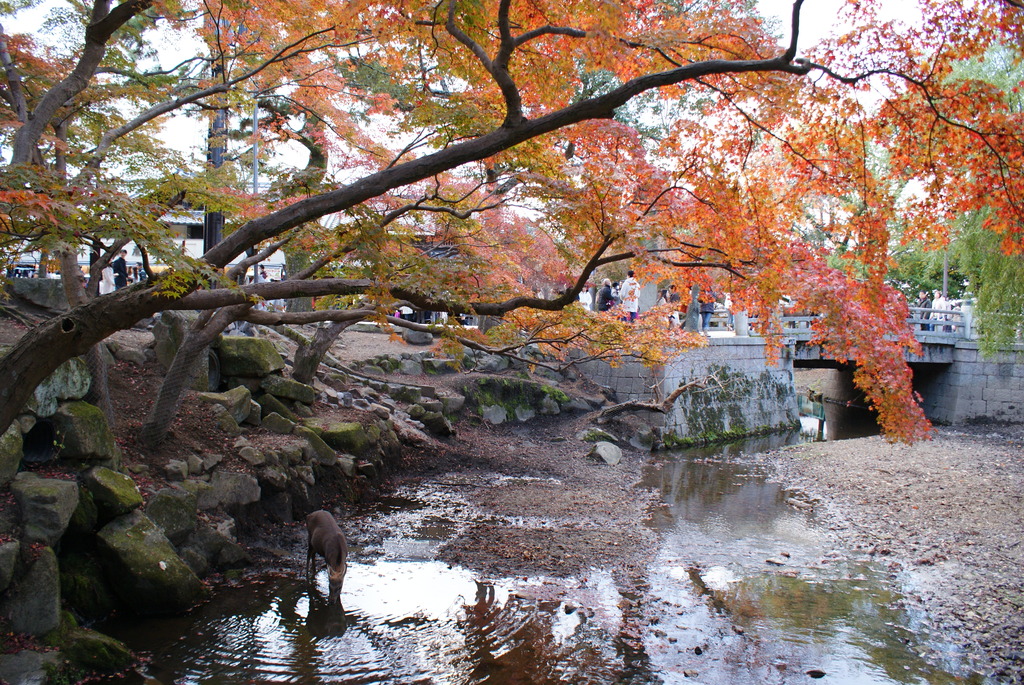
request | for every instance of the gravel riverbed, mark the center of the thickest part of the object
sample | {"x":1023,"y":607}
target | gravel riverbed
{"x":946,"y":514}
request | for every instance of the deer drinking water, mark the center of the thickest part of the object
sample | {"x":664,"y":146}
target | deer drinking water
{"x":327,"y":540}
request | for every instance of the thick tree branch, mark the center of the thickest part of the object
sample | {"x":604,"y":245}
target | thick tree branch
{"x":17,"y":95}
{"x":104,"y":23}
{"x":598,"y":107}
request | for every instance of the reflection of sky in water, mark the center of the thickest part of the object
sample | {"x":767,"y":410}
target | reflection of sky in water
{"x":718,"y":608}
{"x":745,"y":580}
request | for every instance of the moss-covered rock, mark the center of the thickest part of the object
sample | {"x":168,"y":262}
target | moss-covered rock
{"x":83,"y":434}
{"x":175,"y":511}
{"x":8,"y":559}
{"x":347,"y":437}
{"x":275,"y":423}
{"x":32,"y":603}
{"x":84,"y":586}
{"x":596,"y":435}
{"x":289,"y":389}
{"x":436,"y":423}
{"x":237,"y":401}
{"x":10,"y":453}
{"x":70,"y":381}
{"x":520,"y":398}
{"x":248,"y":357}
{"x":115,"y":494}
{"x":46,"y":506}
{"x":92,"y":651}
{"x":271,"y":405}
{"x":85,"y":519}
{"x":315,"y":449}
{"x":143,"y":568}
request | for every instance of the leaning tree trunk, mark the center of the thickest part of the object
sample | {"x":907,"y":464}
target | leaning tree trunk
{"x":183,"y":370}
{"x":40,"y":351}
{"x":309,"y":356}
{"x":95,"y":361}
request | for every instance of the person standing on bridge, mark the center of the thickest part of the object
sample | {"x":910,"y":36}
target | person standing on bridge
{"x":939,"y":301}
{"x":631,"y":296}
{"x":924,"y":302}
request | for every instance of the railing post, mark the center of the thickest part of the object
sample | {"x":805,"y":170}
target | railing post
{"x":967,"y":313}
{"x":741,"y":325}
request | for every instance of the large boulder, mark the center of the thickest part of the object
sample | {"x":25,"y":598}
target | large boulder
{"x":168,"y":333}
{"x":10,"y":453}
{"x":84,"y":587}
{"x":275,"y":423}
{"x":436,"y":423}
{"x":83,"y":434}
{"x":271,"y":405}
{"x":315,"y":449}
{"x":144,"y":569}
{"x":96,"y":652}
{"x":237,"y":401}
{"x":217,"y":549}
{"x":70,"y":381}
{"x":32,"y":602}
{"x":417,"y":337}
{"x":46,"y":506}
{"x":346,"y":437}
{"x":115,"y":494}
{"x":28,"y":667}
{"x":8,"y":560}
{"x":42,"y":292}
{"x":289,"y":389}
{"x":234,"y":489}
{"x":248,"y":357}
{"x":606,"y":452}
{"x":175,"y":511}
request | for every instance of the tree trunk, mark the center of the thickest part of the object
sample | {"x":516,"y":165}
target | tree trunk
{"x":183,"y":370}
{"x":74,"y":291}
{"x":99,"y":389}
{"x":40,"y":351}
{"x":308,"y":357}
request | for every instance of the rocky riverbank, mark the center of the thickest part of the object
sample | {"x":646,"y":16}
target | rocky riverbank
{"x":947,"y":514}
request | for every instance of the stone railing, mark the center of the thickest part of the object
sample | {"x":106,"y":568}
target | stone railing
{"x":929,"y":324}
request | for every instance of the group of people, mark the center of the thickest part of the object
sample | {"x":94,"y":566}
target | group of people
{"x":936,"y":301}
{"x":116,"y":275}
{"x":627,"y":296}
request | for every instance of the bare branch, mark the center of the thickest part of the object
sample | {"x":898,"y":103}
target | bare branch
{"x":282,"y":55}
{"x":664,"y":406}
{"x":239,"y":269}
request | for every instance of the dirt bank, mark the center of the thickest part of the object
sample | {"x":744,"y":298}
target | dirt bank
{"x":947,"y":513}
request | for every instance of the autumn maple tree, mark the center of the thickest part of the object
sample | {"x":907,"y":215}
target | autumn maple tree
{"x":490,"y":158}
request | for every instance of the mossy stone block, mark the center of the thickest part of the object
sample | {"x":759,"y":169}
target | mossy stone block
{"x":347,"y":437}
{"x":115,"y":494}
{"x":248,"y":357}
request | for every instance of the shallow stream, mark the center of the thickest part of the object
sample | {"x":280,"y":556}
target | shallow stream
{"x":744,"y":589}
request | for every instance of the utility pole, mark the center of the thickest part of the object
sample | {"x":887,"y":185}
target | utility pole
{"x":213,"y":222}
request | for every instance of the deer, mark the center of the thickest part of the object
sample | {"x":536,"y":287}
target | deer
{"x":327,"y":540}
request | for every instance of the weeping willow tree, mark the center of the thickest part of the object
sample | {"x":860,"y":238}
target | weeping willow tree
{"x":997,"y":279}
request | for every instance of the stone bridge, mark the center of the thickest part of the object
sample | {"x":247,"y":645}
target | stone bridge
{"x":751,"y":395}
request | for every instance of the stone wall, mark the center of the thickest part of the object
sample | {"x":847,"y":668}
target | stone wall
{"x":750,"y":396}
{"x":974,"y":387}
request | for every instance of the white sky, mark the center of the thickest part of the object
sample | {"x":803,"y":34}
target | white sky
{"x":818,"y":17}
